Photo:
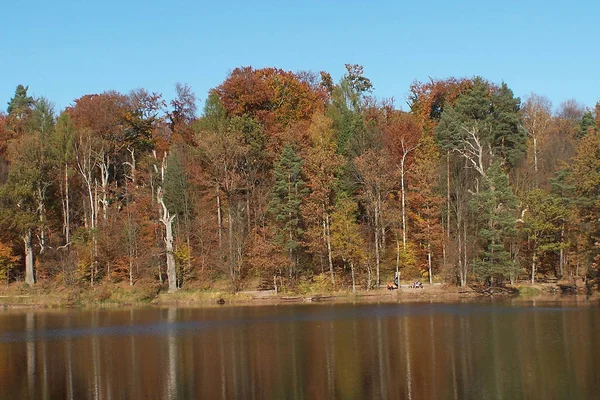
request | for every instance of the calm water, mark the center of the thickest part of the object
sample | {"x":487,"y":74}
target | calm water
{"x":368,"y":351}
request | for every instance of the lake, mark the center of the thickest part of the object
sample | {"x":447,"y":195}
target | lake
{"x":487,"y":350}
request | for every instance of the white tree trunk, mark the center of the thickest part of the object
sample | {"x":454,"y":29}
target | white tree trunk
{"x":535,"y":162}
{"x":403,"y":203}
{"x":562,"y":250}
{"x":231,"y":252}
{"x":41,"y":193}
{"x":67,"y":216}
{"x":29,"y":277}
{"x":465,"y":255}
{"x":377,"y":255}
{"x":353,"y":280}
{"x":397,"y":256}
{"x":104,"y":165}
{"x":167,"y":220}
{"x":430,"y":270}
{"x":533,"y":262}
{"x":462,"y":273}
{"x":220,"y":220}
{"x":329,"y":252}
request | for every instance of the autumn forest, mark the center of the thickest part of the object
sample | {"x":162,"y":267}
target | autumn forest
{"x":288,"y":179}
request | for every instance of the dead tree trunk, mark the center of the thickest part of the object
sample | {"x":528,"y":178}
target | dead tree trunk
{"x":167,"y":220}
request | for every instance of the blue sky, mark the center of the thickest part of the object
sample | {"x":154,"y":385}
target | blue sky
{"x":65,"y":49}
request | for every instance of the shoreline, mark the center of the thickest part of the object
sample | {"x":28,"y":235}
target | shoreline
{"x":149,"y":296}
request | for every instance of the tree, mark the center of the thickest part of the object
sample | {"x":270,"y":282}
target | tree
{"x":425,"y":201}
{"x":537,"y":117}
{"x":42,"y":122}
{"x":483,"y":125}
{"x":542,"y":221}
{"x":63,"y":142}
{"x":288,"y":191}
{"x":402,"y":135}
{"x":225,"y":155}
{"x":167,"y":216}
{"x":427,"y":101}
{"x":346,"y":110}
{"x":321,"y":168}
{"x":375,"y":179}
{"x":587,"y":124}
{"x":177,"y":197}
{"x":586,"y":176}
{"x":19,"y":211}
{"x":142,"y":116}
{"x":183,"y":112}
{"x":495,"y":205}
{"x":273,"y":97}
{"x":562,"y":188}
{"x":99,"y":120}
{"x":345,"y":235}
{"x":7,"y":260}
{"x":265,"y":256}
{"x":5,"y":136}
{"x":19,"y":109}
{"x":30,"y":174}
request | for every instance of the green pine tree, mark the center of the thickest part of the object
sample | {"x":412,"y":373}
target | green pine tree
{"x":21,"y":103}
{"x":484,"y":120}
{"x":587,"y":124}
{"x":495,"y":208}
{"x":286,"y":199}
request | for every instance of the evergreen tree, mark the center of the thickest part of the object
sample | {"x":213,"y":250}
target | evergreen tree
{"x":347,"y":103}
{"x":587,"y":124}
{"x":20,"y":108}
{"x":483,"y":125}
{"x":509,"y":138}
{"x":31,"y":174}
{"x":176,"y":184}
{"x":286,"y":199}
{"x":177,"y":198}
{"x":495,"y":207}
{"x":21,"y":103}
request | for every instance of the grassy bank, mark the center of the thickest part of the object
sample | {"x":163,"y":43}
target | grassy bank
{"x":49,"y":296}
{"x":151,"y":294}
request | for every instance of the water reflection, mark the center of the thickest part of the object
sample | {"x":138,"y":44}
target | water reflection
{"x":411,"y":351}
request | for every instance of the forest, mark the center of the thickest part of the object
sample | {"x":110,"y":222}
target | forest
{"x":286,"y":179}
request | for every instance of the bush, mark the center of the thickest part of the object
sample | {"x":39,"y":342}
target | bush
{"x":320,"y":283}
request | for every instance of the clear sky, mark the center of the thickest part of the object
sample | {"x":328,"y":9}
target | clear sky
{"x":65,"y":49}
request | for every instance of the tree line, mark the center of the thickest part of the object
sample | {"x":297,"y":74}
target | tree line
{"x":287,"y":178}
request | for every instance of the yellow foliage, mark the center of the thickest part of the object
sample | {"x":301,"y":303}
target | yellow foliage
{"x":408,"y":262}
{"x":320,"y":283}
{"x":183,"y":255}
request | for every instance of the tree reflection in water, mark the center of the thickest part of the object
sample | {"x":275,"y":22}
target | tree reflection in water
{"x":413,"y":351}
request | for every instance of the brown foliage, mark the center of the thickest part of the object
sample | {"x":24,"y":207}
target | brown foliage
{"x":264,"y":257}
{"x":272,"y":96}
{"x":401,"y":134}
{"x":428,"y":99}
{"x":103,"y":114}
